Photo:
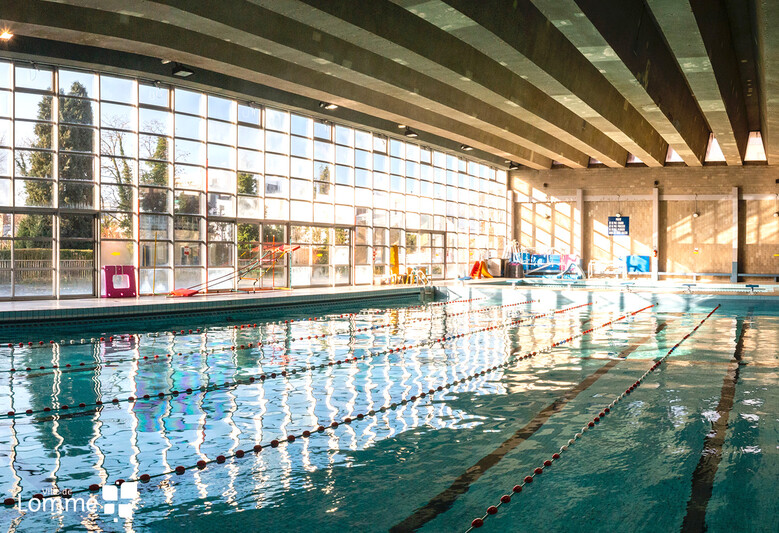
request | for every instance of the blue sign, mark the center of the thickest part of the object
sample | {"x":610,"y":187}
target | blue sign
{"x":619,"y":225}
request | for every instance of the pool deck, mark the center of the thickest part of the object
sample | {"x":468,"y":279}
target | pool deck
{"x":26,"y":311}
{"x":78,"y":310}
{"x":768,"y":287}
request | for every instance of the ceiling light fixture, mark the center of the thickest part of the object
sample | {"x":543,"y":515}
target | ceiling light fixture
{"x":410,"y":133}
{"x":466,"y":148}
{"x":6,"y":35}
{"x":328,"y":106}
{"x":513,"y":165}
{"x":182,"y":72}
{"x":165,"y":61}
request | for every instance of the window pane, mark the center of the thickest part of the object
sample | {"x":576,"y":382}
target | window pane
{"x":323,"y":130}
{"x":118,"y":143}
{"x":156,"y":227}
{"x":249,"y":138}
{"x":117,"y":116}
{"x":76,"y":195}
{"x":32,"y":106}
{"x":190,"y":203}
{"x":190,"y":127}
{"x":33,"y":135}
{"x":248,"y":114}
{"x":221,"y":156}
{"x":250,"y":160}
{"x":187,"y":254}
{"x":117,"y":89}
{"x":33,"y":78}
{"x":221,"y":205}
{"x":115,"y":226}
{"x":153,"y":95}
{"x":189,"y":102}
{"x":154,"y":254}
{"x":277,"y":187}
{"x":5,"y":192}
{"x":5,"y":74}
{"x":190,"y":152}
{"x":75,"y":139}
{"x":116,"y":197}
{"x":276,"y":120}
{"x":220,"y":254}
{"x":154,"y":200}
{"x":277,"y":142}
{"x":302,"y":126}
{"x":187,"y":228}
{"x":301,"y":168}
{"x":33,"y":226}
{"x":77,"y":111}
{"x":156,"y":121}
{"x":187,"y":177}
{"x":117,"y":170}
{"x":221,"y":132}
{"x":34,"y":193}
{"x":251,"y":184}
{"x":221,"y":231}
{"x":221,"y":180}
{"x":221,"y":108}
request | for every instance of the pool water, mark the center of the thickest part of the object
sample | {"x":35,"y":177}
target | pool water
{"x":695,"y":446}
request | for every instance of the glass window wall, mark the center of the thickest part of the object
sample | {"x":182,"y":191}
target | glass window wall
{"x":193,"y":188}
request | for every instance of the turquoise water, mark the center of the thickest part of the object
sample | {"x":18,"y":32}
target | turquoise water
{"x":639,"y":469}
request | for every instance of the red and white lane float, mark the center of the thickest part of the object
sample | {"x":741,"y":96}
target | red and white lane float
{"x":201,"y":464}
{"x":528,"y":479}
{"x":259,"y":344}
{"x":54,"y":409}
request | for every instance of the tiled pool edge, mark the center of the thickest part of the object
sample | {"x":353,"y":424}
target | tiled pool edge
{"x":138,"y":309}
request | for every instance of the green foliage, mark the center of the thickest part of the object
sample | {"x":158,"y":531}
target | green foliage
{"x":71,"y":167}
{"x":247,"y":184}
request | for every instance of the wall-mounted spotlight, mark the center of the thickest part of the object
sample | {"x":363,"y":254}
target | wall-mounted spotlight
{"x":617,"y":214}
{"x":328,"y":106}
{"x":181,"y":71}
{"x":514,"y":166}
{"x":410,"y":133}
{"x":466,"y":148}
{"x":696,"y":215}
{"x":6,"y":35}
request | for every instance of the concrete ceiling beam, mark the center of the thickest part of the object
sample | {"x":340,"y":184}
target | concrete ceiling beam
{"x":130,"y":33}
{"x":394,"y":33}
{"x":309,"y":47}
{"x":698,"y":34}
{"x":767,"y":45}
{"x":518,"y":34}
{"x":633,"y":57}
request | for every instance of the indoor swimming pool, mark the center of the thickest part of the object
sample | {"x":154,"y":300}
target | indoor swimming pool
{"x":495,"y":409}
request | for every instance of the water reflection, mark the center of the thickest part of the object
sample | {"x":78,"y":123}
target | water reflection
{"x":101,"y":445}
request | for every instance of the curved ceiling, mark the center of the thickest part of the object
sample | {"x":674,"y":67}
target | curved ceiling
{"x":528,"y":81}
